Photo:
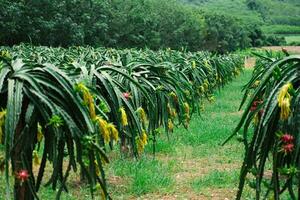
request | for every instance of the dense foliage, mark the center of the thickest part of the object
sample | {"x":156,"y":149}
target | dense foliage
{"x":272,"y":150}
{"x":278,"y":16}
{"x":117,"y":23}
{"x":72,"y":105}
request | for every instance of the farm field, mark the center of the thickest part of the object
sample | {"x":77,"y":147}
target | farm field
{"x":191,"y":165}
{"x":187,"y":163}
{"x":150,"y":100}
{"x":275,"y":17}
{"x":112,"y":99}
{"x":292,"y":38}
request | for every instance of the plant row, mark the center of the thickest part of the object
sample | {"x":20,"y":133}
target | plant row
{"x":72,"y":105}
{"x":270,"y":128}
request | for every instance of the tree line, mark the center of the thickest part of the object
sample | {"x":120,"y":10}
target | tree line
{"x":124,"y":23}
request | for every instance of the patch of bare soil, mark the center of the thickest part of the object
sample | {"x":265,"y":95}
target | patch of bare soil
{"x":237,"y":113}
{"x":291,"y":49}
{"x":249,"y":62}
{"x":220,"y":194}
{"x":186,"y":194}
{"x":192,"y":169}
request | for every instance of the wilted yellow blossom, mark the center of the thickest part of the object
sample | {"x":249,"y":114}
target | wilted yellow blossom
{"x":187,"y":117}
{"x":142,"y":114}
{"x":173,"y":94}
{"x":193,"y":64}
{"x":141,"y":142}
{"x":140,"y":147}
{"x":284,"y":99}
{"x":92,"y":108}
{"x":216,"y":76}
{"x":144,"y":137}
{"x":97,"y":170}
{"x":173,"y":113}
{"x":170,"y":125}
{"x":187,"y":93}
{"x":103,"y":126}
{"x":285,"y":109}
{"x":113,"y":131}
{"x":211,"y":99}
{"x":202,"y":107}
{"x":284,"y":92}
{"x":201,"y":89}
{"x":256,"y":83}
{"x":36,"y":159}
{"x":82,"y":88}
{"x":124,"y":119}
{"x":169,"y":108}
{"x":5,"y":54}
{"x":206,"y":64}
{"x":87,"y":99}
{"x":186,"y":108}
{"x":256,"y":119}
{"x":2,"y":122}
{"x":39,"y":135}
{"x":102,"y":194}
{"x":206,"y":85}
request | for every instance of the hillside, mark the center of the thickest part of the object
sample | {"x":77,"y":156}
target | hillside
{"x":275,"y":16}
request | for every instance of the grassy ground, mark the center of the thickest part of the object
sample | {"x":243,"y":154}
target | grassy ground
{"x":292,"y":38}
{"x":191,"y":165}
{"x":289,"y":38}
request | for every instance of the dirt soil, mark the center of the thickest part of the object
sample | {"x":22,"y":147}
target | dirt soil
{"x":291,"y":49}
{"x":249,"y":62}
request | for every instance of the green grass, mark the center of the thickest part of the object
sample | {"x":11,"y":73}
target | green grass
{"x":190,"y":165}
{"x":274,"y":16}
{"x":195,"y":153}
{"x":281,"y":29}
{"x":292,"y":38}
{"x":142,"y":176}
{"x":217,"y":179}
